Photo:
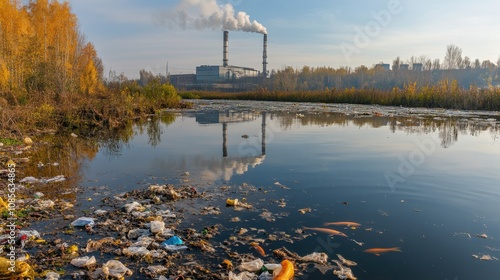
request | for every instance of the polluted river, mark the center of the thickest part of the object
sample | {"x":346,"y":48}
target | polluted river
{"x":243,"y":189}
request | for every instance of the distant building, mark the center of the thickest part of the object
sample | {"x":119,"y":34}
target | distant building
{"x":215,"y":73}
{"x":384,"y":66}
{"x":182,"y":80}
{"x":417,"y":66}
{"x":404,"y":66}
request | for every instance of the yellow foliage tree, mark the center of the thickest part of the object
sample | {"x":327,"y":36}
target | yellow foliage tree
{"x":89,"y":76}
{"x":42,"y":49}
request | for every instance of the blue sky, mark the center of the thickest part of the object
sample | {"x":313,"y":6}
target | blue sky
{"x":131,"y":35}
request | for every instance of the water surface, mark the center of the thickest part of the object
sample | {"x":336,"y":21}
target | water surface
{"x":426,"y":181}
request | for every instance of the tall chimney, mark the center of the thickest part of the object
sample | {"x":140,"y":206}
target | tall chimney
{"x":264,"y":57}
{"x":225,"y":50}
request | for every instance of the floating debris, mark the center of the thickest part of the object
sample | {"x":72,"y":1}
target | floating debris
{"x":305,"y":210}
{"x":358,"y":243}
{"x":346,"y":261}
{"x":343,"y":272}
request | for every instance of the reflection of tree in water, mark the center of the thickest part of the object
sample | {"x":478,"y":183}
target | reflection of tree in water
{"x":66,"y":155}
{"x":448,"y":128}
{"x":153,"y":127}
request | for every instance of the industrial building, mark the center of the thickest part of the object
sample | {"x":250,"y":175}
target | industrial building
{"x":216,"y":73}
{"x":224,"y":76}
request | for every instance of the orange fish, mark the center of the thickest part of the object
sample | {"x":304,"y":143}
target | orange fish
{"x":347,"y":224}
{"x":327,"y":231}
{"x":258,"y":248}
{"x":378,"y":251}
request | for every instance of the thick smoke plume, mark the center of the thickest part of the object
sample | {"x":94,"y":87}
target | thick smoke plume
{"x":203,"y":14}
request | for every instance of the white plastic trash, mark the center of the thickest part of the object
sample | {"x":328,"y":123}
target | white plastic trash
{"x":136,"y":251}
{"x":252,"y":266}
{"x":116,"y":269}
{"x":84,"y":261}
{"x":245,"y":275}
{"x":157,"y":227}
{"x":83,"y":221}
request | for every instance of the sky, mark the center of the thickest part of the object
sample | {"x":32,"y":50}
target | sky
{"x":131,"y":35}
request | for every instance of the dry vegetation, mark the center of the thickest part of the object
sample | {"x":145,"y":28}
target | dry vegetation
{"x":445,"y":94}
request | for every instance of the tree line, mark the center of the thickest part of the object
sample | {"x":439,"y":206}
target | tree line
{"x":43,"y":50}
{"x":422,"y":70}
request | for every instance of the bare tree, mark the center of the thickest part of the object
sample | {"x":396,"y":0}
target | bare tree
{"x":467,"y":62}
{"x":397,"y":62}
{"x":477,"y":64}
{"x":453,"y":58}
{"x":436,"y":64}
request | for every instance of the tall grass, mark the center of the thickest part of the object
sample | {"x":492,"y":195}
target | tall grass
{"x":446,"y":94}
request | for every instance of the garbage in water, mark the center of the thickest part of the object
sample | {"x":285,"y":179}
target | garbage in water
{"x":85,"y":261}
{"x":157,"y":227}
{"x":252,"y":266}
{"x":174,"y":243}
{"x":21,"y":270}
{"x":346,"y":261}
{"x":343,"y":272}
{"x":287,"y":271}
{"x":115,"y":269}
{"x":33,"y":180}
{"x":83,"y":221}
{"x":304,"y":210}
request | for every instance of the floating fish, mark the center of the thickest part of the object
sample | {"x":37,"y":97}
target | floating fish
{"x":327,"y":231}
{"x":347,"y":224}
{"x":378,"y":251}
{"x":259,"y":249}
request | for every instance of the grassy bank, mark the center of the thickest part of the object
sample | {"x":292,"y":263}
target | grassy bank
{"x":444,"y":95}
{"x":83,"y":114}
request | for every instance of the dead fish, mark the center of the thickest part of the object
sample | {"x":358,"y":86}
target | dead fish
{"x":327,"y":231}
{"x":378,"y":251}
{"x":259,"y":249}
{"x":347,"y":224}
{"x":346,"y":261}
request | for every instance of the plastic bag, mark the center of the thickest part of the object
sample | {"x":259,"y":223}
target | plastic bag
{"x":315,"y":257}
{"x":84,"y":261}
{"x":174,"y":243}
{"x":136,"y":251}
{"x":157,"y":227}
{"x":133,"y":206}
{"x":174,"y":240}
{"x":266,"y":276}
{"x":252,"y":266}
{"x":52,"y":276}
{"x":83,"y":221}
{"x":22,"y":270}
{"x":138,"y":232}
{"x":245,"y":275}
{"x":116,"y":269}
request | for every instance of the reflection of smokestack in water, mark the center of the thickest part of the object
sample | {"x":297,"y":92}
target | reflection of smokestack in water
{"x":226,"y":47}
{"x":224,"y":139}
{"x":264,"y":57}
{"x":263,"y":144}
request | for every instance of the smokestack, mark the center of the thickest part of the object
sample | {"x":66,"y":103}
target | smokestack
{"x":264,"y":57}
{"x":226,"y":47}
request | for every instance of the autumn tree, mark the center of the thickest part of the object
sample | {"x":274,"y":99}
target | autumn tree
{"x":42,"y":49}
